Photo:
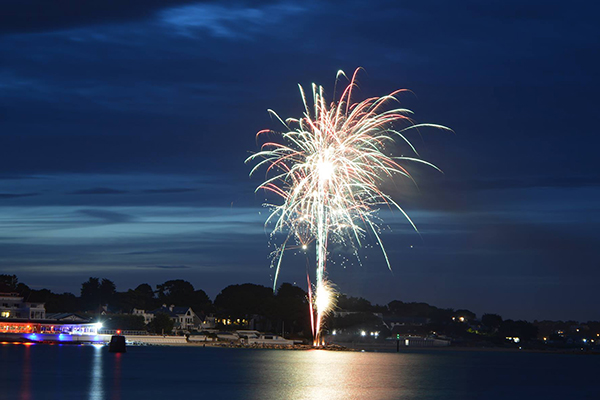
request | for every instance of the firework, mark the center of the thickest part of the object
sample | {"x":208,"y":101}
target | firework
{"x":328,"y":167}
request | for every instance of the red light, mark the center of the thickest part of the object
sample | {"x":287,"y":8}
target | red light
{"x":118,"y":332}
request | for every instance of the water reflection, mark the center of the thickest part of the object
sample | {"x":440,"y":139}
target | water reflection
{"x":96,"y":378}
{"x":26,"y":374}
{"x":117,"y":376}
{"x":326,"y":375}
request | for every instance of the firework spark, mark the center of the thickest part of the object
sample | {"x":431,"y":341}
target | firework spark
{"x":328,"y":167}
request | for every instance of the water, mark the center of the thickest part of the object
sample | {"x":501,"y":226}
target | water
{"x":88,"y":372}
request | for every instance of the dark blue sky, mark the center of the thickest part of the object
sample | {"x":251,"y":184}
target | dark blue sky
{"x":123,"y":130}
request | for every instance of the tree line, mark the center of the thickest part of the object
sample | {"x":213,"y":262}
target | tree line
{"x":286,"y":311}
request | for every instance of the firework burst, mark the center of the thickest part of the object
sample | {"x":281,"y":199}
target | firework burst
{"x":328,"y":167}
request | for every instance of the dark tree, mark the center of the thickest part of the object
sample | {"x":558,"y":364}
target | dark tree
{"x":177,"y":292}
{"x":244,"y":301}
{"x":201,"y":302}
{"x":356,"y":321}
{"x":55,"y":303}
{"x":8,"y":283}
{"x":469,"y":315}
{"x":291,"y":309}
{"x":354,"y":304}
{"x":182,"y":293}
{"x":107,"y":290}
{"x":522,"y":329}
{"x":90,"y":294}
{"x":144,"y":297}
{"x":161,"y":323}
{"x":492,"y":321}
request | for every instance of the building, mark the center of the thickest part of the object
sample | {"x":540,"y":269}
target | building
{"x":50,"y":331}
{"x":13,"y":306}
{"x":393,"y":321}
{"x":185,"y":318}
{"x":67,"y":317}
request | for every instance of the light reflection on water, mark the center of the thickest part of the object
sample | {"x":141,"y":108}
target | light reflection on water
{"x":80,"y":372}
{"x":326,"y":375}
{"x":97,"y":377}
{"x":26,"y":374}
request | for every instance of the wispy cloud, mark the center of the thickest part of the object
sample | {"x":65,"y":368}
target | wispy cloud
{"x":99,"y":191}
{"x":16,"y":195}
{"x":107,"y":216}
{"x":233,"y":22}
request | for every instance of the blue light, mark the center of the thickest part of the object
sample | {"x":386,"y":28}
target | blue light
{"x":32,"y":336}
{"x":61,"y":337}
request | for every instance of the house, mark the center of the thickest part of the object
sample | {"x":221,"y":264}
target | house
{"x":184,"y":317}
{"x":146,"y":315}
{"x":13,"y":306}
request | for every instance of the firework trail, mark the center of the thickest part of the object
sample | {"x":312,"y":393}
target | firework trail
{"x":328,"y":167}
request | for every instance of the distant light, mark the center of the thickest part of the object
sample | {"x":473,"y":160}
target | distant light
{"x":334,"y":332}
{"x":363,"y":333}
{"x":462,"y":319}
{"x":98,"y":325}
{"x":584,"y":340}
{"x":304,"y":247}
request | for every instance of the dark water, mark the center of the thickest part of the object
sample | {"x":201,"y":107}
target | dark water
{"x":88,"y":372}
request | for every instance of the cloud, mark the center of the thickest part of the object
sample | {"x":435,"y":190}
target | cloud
{"x":229,"y":22}
{"x":523,"y":183}
{"x":107,"y":216}
{"x":17,"y":177}
{"x":99,"y":191}
{"x":22,"y":16}
{"x":15,"y":195}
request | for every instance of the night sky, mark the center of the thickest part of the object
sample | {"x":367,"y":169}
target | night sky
{"x":124,"y":126}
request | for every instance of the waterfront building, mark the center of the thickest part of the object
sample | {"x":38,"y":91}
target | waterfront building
{"x":13,"y":306}
{"x":67,"y":317}
{"x":45,"y":330}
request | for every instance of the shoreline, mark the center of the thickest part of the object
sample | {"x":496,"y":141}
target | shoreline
{"x":377,"y":349}
{"x":349,"y":347}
